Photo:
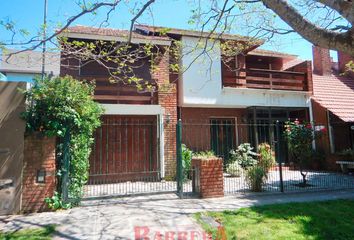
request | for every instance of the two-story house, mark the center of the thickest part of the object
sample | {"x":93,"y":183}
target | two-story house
{"x":235,"y":98}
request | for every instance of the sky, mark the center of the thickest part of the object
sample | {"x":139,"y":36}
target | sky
{"x":28,"y":14}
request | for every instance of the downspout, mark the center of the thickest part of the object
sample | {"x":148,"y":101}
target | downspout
{"x":312,"y":121}
{"x":162,"y":146}
{"x":330,"y":133}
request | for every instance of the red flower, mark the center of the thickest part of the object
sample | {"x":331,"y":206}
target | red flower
{"x":308,"y":126}
{"x":324,"y":130}
{"x":297,"y":122}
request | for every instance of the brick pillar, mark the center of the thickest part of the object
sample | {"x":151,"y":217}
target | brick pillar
{"x":39,"y":154}
{"x":210,"y":177}
{"x":167,"y":98}
{"x":322,"y":63}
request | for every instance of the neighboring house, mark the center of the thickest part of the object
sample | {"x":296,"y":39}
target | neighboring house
{"x":15,"y":73}
{"x":333,"y":101}
{"x":138,"y":136}
{"x":24,"y":66}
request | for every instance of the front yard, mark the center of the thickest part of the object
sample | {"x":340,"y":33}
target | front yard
{"x":313,"y":220}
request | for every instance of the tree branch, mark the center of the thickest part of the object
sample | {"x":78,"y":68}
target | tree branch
{"x":145,"y":6}
{"x":318,"y":36}
{"x":344,"y":7}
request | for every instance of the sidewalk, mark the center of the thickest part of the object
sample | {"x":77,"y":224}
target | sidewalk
{"x":158,"y":214}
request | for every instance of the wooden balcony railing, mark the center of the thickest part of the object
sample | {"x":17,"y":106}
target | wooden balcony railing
{"x":266,"y":79}
{"x":107,"y":92}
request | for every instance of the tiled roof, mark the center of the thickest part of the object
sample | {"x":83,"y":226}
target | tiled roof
{"x":270,"y":53}
{"x":194,"y":33}
{"x":336,"y":93}
{"x":111,"y":32}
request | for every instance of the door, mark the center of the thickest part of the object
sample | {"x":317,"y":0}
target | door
{"x":125,"y":149}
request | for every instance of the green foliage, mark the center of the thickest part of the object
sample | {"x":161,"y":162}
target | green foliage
{"x":63,"y":104}
{"x":244,"y":155}
{"x":266,"y":157}
{"x":255,"y":178}
{"x":186,"y":161}
{"x":234,"y":169}
{"x":204,"y":154}
{"x":55,"y":202}
{"x":42,"y":233}
{"x":300,"y":138}
{"x":348,"y":154}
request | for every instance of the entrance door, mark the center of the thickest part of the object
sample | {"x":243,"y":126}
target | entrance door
{"x":222,"y":137}
{"x":125,"y":149}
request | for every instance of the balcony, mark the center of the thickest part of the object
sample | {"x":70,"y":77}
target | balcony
{"x":107,"y":92}
{"x":257,"y":78}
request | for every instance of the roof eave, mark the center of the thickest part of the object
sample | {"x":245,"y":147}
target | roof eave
{"x":134,"y":40}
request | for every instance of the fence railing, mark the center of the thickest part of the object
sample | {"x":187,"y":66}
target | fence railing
{"x":268,"y":79}
{"x":224,"y":135}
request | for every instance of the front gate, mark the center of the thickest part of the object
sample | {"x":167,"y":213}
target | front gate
{"x":125,"y":158}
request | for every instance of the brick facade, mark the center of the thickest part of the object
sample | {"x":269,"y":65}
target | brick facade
{"x":322,"y":64}
{"x":167,"y":98}
{"x":210,"y":175}
{"x":39,"y":154}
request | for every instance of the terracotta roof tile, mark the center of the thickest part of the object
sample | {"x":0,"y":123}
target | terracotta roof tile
{"x":111,"y":32}
{"x":336,"y":93}
{"x":177,"y":31}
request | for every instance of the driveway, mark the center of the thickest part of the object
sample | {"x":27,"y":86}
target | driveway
{"x":162,"y":215}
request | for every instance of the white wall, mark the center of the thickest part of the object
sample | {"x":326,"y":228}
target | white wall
{"x":201,"y":84}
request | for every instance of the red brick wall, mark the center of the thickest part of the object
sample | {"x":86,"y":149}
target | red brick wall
{"x":305,"y":67}
{"x":196,"y":126}
{"x":322,"y":63}
{"x":39,"y":153}
{"x":211,"y":181}
{"x":167,"y":98}
{"x":343,"y":59}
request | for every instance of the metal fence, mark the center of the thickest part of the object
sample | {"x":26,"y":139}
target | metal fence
{"x":221,"y":136}
{"x":125,"y":159}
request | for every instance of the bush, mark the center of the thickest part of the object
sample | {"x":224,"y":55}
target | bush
{"x":234,"y":169}
{"x":266,"y":158}
{"x":244,"y":156}
{"x":300,"y":137}
{"x":255,"y":178}
{"x":55,"y":202}
{"x":205,"y":154}
{"x":62,"y":104}
{"x":348,"y":154}
{"x":186,"y":162}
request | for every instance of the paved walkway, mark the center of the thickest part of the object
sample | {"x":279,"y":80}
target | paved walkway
{"x":118,"y":218}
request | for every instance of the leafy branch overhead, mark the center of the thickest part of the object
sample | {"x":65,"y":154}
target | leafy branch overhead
{"x":326,"y":23}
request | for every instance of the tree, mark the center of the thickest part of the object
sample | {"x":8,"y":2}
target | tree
{"x":299,"y":138}
{"x":326,"y":23}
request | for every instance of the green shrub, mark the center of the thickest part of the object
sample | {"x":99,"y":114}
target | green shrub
{"x":186,"y":162}
{"x":255,"y":178}
{"x":266,"y":158}
{"x":244,"y":156}
{"x":234,"y":169}
{"x":55,"y":202}
{"x":62,"y":104}
{"x":299,"y":137}
{"x":348,"y":154}
{"x":205,"y":154}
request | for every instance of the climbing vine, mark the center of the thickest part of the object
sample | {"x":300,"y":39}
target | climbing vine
{"x":61,"y":104}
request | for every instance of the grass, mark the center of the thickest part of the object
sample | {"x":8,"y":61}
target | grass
{"x":30,"y":234}
{"x":313,"y":220}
